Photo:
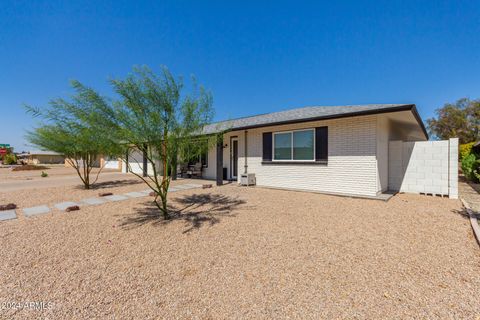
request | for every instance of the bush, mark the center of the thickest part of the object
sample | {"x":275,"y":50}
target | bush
{"x":470,"y":165}
{"x":29,"y":167}
{"x":44,"y":174}
{"x":9,"y":159}
{"x":465,"y":149}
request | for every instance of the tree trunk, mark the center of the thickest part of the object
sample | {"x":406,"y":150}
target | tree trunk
{"x":173,"y":171}
{"x":165,"y":179}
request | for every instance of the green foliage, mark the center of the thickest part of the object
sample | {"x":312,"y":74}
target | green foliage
{"x":476,"y":173}
{"x":44,"y":174}
{"x":460,"y":119}
{"x":153,"y":117}
{"x":9,"y":159}
{"x":71,"y":128}
{"x":470,"y":164}
{"x":465,"y":149}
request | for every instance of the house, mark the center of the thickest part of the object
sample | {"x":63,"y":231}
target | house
{"x":355,"y":150}
{"x":336,"y":149}
{"x":101,"y":161}
{"x":42,"y":157}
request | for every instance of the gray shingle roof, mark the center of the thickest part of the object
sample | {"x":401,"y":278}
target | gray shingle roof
{"x":299,"y":114}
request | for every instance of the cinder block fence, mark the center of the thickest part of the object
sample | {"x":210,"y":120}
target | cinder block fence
{"x":429,"y":167}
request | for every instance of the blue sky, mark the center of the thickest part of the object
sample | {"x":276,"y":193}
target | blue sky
{"x":254,"y":56}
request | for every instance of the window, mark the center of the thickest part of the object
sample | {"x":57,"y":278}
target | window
{"x":283,"y":146}
{"x":303,"y":145}
{"x":294,"y":145}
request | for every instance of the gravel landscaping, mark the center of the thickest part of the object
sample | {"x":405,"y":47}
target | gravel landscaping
{"x":54,"y":195}
{"x":237,"y":252}
{"x":7,"y":173}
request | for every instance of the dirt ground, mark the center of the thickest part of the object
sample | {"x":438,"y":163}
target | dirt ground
{"x":116,"y":183}
{"x":58,"y":176}
{"x":238,"y":252}
{"x":6,"y":173}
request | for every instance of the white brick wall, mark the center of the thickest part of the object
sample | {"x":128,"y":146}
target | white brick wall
{"x":424,"y":167}
{"x":352,"y":163}
{"x":361,"y":161}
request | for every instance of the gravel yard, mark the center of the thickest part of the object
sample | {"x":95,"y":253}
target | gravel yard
{"x":51,"y":195}
{"x":55,"y":170}
{"x":237,"y":252}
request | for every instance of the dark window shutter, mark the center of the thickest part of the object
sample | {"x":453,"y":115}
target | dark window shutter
{"x":321,"y":143}
{"x":267,"y":146}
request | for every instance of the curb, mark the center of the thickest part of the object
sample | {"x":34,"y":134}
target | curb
{"x":473,"y":220}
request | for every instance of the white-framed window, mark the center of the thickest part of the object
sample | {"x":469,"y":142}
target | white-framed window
{"x":297,"y":145}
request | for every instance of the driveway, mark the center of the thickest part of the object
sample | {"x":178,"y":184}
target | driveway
{"x":246,"y":252}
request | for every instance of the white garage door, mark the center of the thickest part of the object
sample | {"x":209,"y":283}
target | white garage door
{"x":111,"y":163}
{"x":135,"y":162}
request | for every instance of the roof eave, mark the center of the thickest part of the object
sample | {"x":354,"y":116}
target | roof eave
{"x":407,"y":107}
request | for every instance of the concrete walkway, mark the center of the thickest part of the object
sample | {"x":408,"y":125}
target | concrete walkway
{"x":471,"y":200}
{"x":469,"y":194}
{"x":62,"y":206}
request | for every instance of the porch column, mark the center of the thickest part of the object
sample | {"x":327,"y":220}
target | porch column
{"x":246,"y":152}
{"x":220,"y":162}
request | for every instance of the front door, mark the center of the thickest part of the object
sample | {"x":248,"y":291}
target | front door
{"x":234,"y":158}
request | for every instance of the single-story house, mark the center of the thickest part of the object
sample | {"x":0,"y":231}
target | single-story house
{"x":42,"y":157}
{"x":334,"y":149}
{"x":359,"y":150}
{"x":102,"y":161}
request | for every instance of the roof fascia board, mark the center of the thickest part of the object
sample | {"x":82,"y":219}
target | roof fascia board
{"x":408,"y":107}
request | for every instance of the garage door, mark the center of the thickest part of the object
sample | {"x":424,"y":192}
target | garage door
{"x":111,"y":164}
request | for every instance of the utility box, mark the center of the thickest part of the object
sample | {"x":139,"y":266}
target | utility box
{"x":247,"y":179}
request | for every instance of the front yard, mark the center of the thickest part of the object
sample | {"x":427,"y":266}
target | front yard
{"x":237,"y":252}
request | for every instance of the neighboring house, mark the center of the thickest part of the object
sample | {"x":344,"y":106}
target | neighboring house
{"x":43,"y":157}
{"x":105,"y":162}
{"x":362,"y":150}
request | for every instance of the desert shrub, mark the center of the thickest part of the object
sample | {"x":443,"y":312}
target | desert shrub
{"x":9,"y":159}
{"x":44,"y":174}
{"x":29,"y":167}
{"x":476,"y":173}
{"x":465,"y":149}
{"x":470,"y":164}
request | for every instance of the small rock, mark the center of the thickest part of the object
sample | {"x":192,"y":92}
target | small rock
{"x":152,"y":194}
{"x":72,"y":208}
{"x":104,"y":194}
{"x":206,"y":186}
{"x":9,"y":206}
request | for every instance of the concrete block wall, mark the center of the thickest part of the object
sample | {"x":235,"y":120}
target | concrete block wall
{"x":429,"y":167}
{"x":453,"y":168}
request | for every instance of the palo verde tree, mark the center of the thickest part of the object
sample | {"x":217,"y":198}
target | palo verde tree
{"x":66,"y":128}
{"x":154,"y":118}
